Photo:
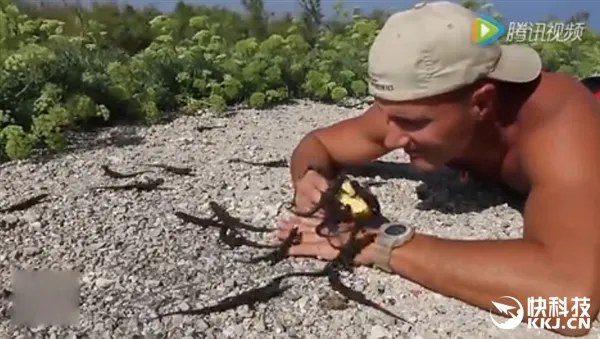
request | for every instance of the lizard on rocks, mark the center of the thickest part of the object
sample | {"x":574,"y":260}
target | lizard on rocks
{"x":250,"y":298}
{"x":116,"y":175}
{"x":208,"y":128}
{"x":175,"y":170}
{"x":221,"y":214}
{"x":272,"y":163}
{"x":228,"y":234}
{"x":25,"y":204}
{"x":140,"y":186}
{"x":279,"y":253}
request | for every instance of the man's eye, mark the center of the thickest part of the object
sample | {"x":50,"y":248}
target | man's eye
{"x":411,"y":123}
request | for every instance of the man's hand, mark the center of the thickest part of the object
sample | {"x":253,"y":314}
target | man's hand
{"x":308,"y":191}
{"x":325,"y":248}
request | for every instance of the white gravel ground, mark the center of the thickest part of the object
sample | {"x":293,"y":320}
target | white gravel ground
{"x":135,"y":254}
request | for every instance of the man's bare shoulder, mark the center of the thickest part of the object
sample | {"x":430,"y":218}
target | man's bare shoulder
{"x":557,"y":93}
{"x":560,"y":134}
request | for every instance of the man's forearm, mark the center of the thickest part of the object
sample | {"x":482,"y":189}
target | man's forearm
{"x":310,"y":152}
{"x":475,"y":271}
{"x":478,"y":272}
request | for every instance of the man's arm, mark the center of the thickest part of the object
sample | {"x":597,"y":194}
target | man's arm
{"x":351,"y":141}
{"x":559,"y":255}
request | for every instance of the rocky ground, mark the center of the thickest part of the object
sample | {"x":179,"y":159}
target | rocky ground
{"x":135,"y":255}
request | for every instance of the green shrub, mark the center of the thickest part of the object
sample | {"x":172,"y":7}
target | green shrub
{"x":87,"y":70}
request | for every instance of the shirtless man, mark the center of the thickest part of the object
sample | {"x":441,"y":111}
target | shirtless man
{"x":491,"y":111}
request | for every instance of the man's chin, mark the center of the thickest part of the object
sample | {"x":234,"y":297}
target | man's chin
{"x":423,"y":165}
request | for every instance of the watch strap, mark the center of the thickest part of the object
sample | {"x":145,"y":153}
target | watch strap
{"x":384,"y":246}
{"x":381,"y":256}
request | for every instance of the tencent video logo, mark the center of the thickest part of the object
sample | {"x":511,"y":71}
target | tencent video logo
{"x":485,"y":30}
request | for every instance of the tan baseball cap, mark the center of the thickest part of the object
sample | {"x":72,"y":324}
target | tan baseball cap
{"x":428,"y":50}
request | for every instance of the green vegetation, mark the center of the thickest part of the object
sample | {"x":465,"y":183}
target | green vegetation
{"x":64,"y":67}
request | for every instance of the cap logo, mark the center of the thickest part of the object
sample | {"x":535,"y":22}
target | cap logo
{"x":380,"y":86}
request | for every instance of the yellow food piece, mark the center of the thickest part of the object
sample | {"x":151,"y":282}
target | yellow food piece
{"x":359,"y":208}
{"x":348,"y":189}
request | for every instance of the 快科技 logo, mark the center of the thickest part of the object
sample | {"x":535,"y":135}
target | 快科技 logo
{"x":514,"y":313}
{"x":485,"y":30}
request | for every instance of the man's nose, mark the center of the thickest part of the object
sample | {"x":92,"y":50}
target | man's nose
{"x":396,"y":138}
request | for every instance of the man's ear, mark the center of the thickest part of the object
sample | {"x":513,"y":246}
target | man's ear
{"x":482,"y":102}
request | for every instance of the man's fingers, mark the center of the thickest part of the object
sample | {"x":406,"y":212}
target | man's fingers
{"x":309,"y":192}
{"x":286,"y":227}
{"x":319,"y":249}
{"x":310,"y":222}
{"x":318,"y":181}
{"x":307,"y":224}
{"x":308,"y":249}
{"x":315,"y":196}
{"x":319,"y":214}
{"x":309,"y":236}
{"x":292,"y":221}
{"x":303,"y":205}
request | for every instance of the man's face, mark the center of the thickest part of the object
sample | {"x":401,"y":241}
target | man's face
{"x":431,"y":131}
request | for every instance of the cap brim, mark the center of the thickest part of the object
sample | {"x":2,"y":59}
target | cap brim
{"x":518,"y":63}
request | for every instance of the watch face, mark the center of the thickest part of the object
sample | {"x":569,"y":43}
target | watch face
{"x":396,"y":229}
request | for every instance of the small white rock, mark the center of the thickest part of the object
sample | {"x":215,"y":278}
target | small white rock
{"x":378,"y":332}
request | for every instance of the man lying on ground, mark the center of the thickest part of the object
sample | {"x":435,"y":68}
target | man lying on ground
{"x":490,"y":111}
